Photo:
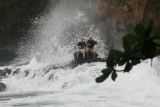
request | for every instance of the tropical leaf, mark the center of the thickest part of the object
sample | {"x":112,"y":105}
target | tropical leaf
{"x":114,"y":75}
{"x":128,"y":67}
{"x":101,"y":78}
{"x":157,"y":40}
{"x":4,"y":4}
{"x":129,"y":41}
{"x":157,"y":52}
{"x":140,"y":30}
{"x":106,"y":73}
{"x":122,"y":61}
{"x":135,"y":61}
{"x":139,"y":46}
{"x":113,"y":58}
{"x":149,"y":29}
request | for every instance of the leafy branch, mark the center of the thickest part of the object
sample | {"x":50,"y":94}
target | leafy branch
{"x":138,"y":46}
{"x":4,"y":4}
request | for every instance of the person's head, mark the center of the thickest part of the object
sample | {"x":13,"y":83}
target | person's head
{"x":81,"y":38}
{"x":90,"y":37}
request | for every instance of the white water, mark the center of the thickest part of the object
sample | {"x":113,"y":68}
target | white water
{"x":77,"y":88}
{"x":40,"y":84}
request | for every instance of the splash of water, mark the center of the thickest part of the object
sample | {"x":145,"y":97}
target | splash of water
{"x":56,"y":37}
{"x":49,"y":84}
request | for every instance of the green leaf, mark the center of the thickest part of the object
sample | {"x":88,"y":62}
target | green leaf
{"x":128,"y":67}
{"x":106,"y":73}
{"x":135,"y":61}
{"x":140,"y":30}
{"x":113,"y":57}
{"x":148,"y":49}
{"x":129,"y":41}
{"x":116,"y":54}
{"x":122,"y":61}
{"x":4,"y":4}
{"x":101,"y":79}
{"x":157,"y":52}
{"x":157,"y":40}
{"x":149,"y":29}
{"x":114,"y":75}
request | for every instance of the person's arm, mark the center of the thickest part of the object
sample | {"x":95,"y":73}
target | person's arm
{"x":85,"y":38}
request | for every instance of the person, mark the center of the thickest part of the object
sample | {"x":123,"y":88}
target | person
{"x":81,"y":48}
{"x":90,"y":45}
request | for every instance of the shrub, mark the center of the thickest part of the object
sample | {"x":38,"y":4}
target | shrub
{"x":138,"y":46}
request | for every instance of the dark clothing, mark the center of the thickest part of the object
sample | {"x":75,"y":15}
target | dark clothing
{"x":91,"y":43}
{"x":82,"y":45}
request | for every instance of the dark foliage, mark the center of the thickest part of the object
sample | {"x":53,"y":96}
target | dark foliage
{"x":156,"y":5}
{"x":139,"y":46}
{"x":4,"y":4}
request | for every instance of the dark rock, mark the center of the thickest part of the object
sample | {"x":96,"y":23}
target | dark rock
{"x":16,"y":71}
{"x":6,"y":55}
{"x":15,"y":20}
{"x":2,"y":87}
{"x":2,"y":74}
{"x":5,"y":72}
{"x":26,"y":73}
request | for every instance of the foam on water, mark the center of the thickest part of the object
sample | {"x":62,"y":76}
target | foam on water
{"x":77,"y":87}
{"x":45,"y":82}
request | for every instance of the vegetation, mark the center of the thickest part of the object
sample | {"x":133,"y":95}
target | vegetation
{"x":138,"y":46}
{"x":156,"y":5}
{"x":4,"y":4}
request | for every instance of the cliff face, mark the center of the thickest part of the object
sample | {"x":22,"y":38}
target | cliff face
{"x":128,"y":11}
{"x":15,"y":18}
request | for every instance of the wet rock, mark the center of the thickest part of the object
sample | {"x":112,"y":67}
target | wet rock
{"x":26,"y":73}
{"x":2,"y":87}
{"x":16,"y":19}
{"x":5,"y":72}
{"x":6,"y":55}
{"x":16,"y":71}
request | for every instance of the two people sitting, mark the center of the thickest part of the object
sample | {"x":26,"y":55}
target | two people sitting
{"x":86,"y":45}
